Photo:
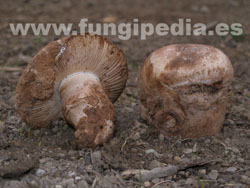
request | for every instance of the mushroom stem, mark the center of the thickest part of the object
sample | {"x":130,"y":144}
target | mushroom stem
{"x":86,"y":106}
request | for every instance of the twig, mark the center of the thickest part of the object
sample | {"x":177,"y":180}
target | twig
{"x":123,"y":145}
{"x":94,"y":182}
{"x":133,"y":182}
{"x":209,"y":180}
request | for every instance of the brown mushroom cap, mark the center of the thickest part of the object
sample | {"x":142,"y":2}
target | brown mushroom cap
{"x":184,"y":89}
{"x":37,"y":96}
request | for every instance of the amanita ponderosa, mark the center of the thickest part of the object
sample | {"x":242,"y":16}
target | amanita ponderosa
{"x":184,"y":89}
{"x":77,"y":76}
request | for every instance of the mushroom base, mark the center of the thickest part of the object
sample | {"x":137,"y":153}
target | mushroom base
{"x":86,"y":106}
{"x":189,"y":115}
{"x":198,"y":125}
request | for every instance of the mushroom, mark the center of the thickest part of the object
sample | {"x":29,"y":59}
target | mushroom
{"x":184,"y":89}
{"x":78,"y":77}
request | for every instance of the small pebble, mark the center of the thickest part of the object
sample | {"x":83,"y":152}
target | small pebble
{"x":40,"y":172}
{"x":161,"y":137}
{"x":187,"y":151}
{"x":240,"y":160}
{"x":231,"y":169}
{"x":182,"y":173}
{"x":202,"y":171}
{"x":156,"y":180}
{"x":96,"y":158}
{"x":43,"y":160}
{"x":177,"y":158}
{"x":213,"y":174}
{"x":235,"y":150}
{"x":155,"y":164}
{"x":245,"y":179}
{"x":82,"y":184}
{"x":72,"y":152}
{"x":147,"y":184}
{"x":55,"y":129}
{"x":36,"y":132}
{"x":189,"y":181}
{"x":77,"y":178}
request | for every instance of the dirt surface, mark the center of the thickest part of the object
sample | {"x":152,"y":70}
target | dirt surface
{"x":46,"y":157}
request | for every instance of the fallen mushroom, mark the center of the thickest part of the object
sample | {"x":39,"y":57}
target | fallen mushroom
{"x":77,"y":76}
{"x":184,"y":89}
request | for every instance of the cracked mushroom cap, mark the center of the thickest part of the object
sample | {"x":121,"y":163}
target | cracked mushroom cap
{"x":184,"y":89}
{"x":37,"y":92}
{"x":187,"y":64}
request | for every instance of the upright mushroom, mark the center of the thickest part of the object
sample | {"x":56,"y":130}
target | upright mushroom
{"x":184,"y":89}
{"x":77,"y":76}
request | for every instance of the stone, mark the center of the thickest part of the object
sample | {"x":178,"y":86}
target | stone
{"x":55,"y":129}
{"x":202,"y":171}
{"x":231,"y":169}
{"x":148,"y":151}
{"x":36,"y":132}
{"x":77,"y":178}
{"x":161,"y":137}
{"x":107,"y":182}
{"x":159,"y":172}
{"x":189,"y":181}
{"x":213,"y":174}
{"x":96,"y":158}
{"x":156,"y":180}
{"x":245,"y":179}
{"x":147,"y":184}
{"x":182,"y":173}
{"x":69,"y":183}
{"x":44,"y":160}
{"x":40,"y":172}
{"x":235,"y":150}
{"x":187,"y":151}
{"x":72,"y":152}
{"x":61,"y":155}
{"x":82,"y":184}
{"x":238,"y":185}
{"x":241,"y":160}
{"x":44,"y":182}
{"x":155,"y":164}
{"x":177,"y":158}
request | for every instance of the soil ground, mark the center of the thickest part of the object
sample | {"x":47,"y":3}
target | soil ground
{"x":46,"y":158}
